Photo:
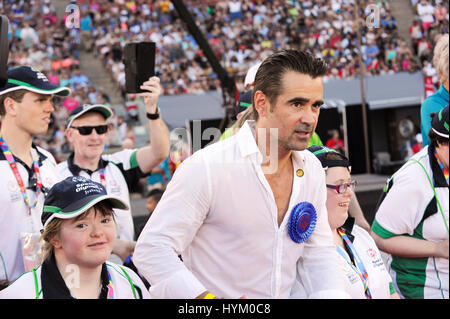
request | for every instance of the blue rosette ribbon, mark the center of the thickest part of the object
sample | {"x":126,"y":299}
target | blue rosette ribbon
{"x":302,"y":222}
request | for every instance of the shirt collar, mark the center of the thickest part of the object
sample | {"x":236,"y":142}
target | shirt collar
{"x":75,"y":169}
{"x":246,"y":140}
{"x":247,"y":144}
{"x":54,"y":287}
{"x":42,"y":157}
{"x":348,"y":228}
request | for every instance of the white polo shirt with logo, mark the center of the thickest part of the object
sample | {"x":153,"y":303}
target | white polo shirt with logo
{"x":121,"y":172}
{"x":380,"y":282}
{"x":410,"y":206}
{"x":13,"y":211}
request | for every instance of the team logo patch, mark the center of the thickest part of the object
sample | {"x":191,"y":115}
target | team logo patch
{"x":12,"y":187}
{"x":371,"y":253}
{"x":40,"y":75}
{"x":14,"y":191}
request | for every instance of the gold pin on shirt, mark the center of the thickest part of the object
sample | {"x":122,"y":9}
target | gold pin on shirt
{"x":300,"y":172}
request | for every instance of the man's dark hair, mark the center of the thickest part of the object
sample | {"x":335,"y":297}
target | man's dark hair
{"x":16,"y":95}
{"x":270,"y":73}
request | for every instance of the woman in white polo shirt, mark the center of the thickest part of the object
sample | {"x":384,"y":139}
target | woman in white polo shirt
{"x":411,"y":222}
{"x":79,"y":234}
{"x":360,"y":259}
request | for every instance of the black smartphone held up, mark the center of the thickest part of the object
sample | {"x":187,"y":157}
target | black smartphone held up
{"x":139,"y":60}
{"x":3,"y":50}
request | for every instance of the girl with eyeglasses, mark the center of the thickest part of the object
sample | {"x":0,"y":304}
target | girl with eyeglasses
{"x":359,"y":258}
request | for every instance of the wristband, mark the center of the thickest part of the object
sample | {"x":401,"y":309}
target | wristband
{"x":153,"y":116}
{"x":209,"y":296}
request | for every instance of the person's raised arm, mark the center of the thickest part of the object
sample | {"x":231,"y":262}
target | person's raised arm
{"x":150,"y":156}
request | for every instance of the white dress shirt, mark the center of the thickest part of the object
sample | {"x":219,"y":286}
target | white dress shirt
{"x":220,"y":214}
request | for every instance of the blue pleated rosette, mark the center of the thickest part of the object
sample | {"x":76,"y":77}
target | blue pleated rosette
{"x":302,"y":222}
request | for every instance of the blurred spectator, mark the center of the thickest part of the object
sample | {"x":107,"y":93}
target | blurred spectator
{"x":160,"y":176}
{"x":39,"y":39}
{"x":437,"y":101}
{"x":113,"y":136}
{"x":425,"y":10}
{"x":417,"y":146}
{"x":335,"y":142}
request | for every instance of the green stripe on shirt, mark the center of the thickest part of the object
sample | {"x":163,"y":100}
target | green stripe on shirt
{"x":133,"y":160}
{"x":380,"y":231}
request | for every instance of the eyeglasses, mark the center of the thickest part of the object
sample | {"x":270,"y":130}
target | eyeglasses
{"x":342,"y":188}
{"x":87,"y":130}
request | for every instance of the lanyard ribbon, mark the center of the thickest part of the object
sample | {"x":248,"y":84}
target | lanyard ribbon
{"x":444,"y":170}
{"x":359,"y":267}
{"x":110,"y":287}
{"x":102,"y":177}
{"x":13,"y":164}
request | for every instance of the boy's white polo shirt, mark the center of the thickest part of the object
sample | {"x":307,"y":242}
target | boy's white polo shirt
{"x":121,"y":172}
{"x":13,"y":210}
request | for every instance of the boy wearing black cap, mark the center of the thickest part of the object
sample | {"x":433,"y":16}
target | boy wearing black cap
{"x":411,"y":222}
{"x":27,"y":171}
{"x":79,"y":233}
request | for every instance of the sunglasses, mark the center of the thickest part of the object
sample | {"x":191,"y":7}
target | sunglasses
{"x":343,"y":188}
{"x":87,"y":130}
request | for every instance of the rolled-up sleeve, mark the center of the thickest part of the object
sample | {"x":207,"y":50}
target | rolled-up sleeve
{"x":171,"y":228}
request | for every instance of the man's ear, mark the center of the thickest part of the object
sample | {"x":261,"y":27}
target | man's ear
{"x":10,"y":106}
{"x":261,"y":103}
{"x":69,"y":134}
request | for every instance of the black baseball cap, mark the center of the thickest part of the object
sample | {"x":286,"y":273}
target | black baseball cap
{"x":86,"y":108}
{"x":28,"y":78}
{"x":327,"y":161}
{"x":73,"y":196}
{"x":439,"y":123}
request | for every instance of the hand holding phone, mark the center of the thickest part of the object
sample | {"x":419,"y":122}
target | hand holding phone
{"x":152,"y":90}
{"x":139,"y":60}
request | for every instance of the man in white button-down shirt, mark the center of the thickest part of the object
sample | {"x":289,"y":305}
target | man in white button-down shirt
{"x":227,"y":208}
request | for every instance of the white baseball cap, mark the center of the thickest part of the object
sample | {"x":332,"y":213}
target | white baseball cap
{"x":251,"y":74}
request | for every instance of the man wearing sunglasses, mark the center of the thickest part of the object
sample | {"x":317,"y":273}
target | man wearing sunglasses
{"x":26,"y":170}
{"x":87,"y":132}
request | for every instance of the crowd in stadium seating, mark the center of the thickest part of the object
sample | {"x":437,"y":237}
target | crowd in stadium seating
{"x":431,"y":21}
{"x":38,"y":38}
{"x":241,"y":33}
